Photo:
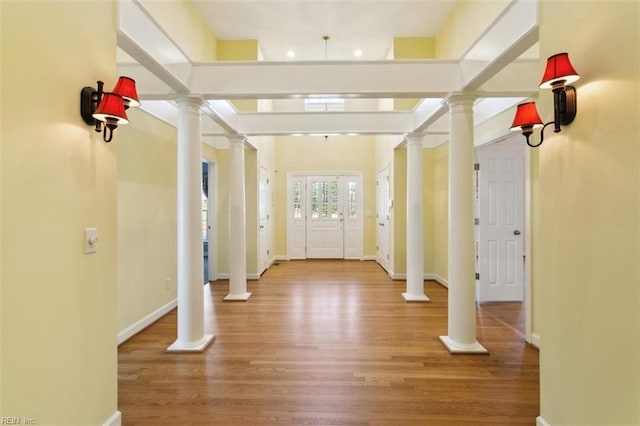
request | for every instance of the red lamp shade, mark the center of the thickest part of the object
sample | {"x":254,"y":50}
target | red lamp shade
{"x":559,"y":71}
{"x":527,"y":117}
{"x":126,"y":87}
{"x":111,"y":109}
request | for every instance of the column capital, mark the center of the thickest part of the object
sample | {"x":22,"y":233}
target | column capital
{"x":189,"y":103}
{"x":236,"y":139}
{"x":460,"y":98}
{"x":414,"y":139}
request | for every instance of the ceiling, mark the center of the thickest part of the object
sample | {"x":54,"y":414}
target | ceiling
{"x":299,"y":25}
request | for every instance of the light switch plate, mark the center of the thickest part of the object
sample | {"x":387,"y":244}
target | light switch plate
{"x":90,"y":240}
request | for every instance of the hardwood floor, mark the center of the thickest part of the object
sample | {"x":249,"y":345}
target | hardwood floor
{"x":327,"y":343}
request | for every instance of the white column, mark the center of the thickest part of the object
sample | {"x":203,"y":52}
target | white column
{"x":415,"y":221}
{"x":462,"y":293}
{"x":191,"y":337}
{"x":237,"y":223}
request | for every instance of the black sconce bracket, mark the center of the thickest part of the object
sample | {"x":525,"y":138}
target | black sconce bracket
{"x":564,"y":112}
{"x":89,"y":100}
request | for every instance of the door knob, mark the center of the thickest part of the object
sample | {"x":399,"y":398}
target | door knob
{"x":516,"y":232}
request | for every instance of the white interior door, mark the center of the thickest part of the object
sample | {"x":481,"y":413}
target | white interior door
{"x":265,"y":218}
{"x":383,"y":204}
{"x":500,"y":231}
{"x":296,"y":217}
{"x":353,"y":216}
{"x":325,"y":218}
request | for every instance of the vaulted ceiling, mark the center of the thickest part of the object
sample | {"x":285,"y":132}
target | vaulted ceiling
{"x":492,"y":68}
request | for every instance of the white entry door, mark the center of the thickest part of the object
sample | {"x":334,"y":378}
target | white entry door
{"x":325,"y":218}
{"x":500,"y":231}
{"x":383,"y":205}
{"x":265,"y":218}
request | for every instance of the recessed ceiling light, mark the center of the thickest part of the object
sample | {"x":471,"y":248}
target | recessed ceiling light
{"x":291,"y":54}
{"x":357,"y":53}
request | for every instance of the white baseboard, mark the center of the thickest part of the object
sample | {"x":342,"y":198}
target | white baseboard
{"x":253,"y":276}
{"x":145,"y":322}
{"x":114,"y":420}
{"x":223,"y":276}
{"x":535,"y":340}
{"x":437,"y":278}
{"x":542,"y":422}
{"x":398,"y":277}
{"x":280,"y":257}
{"x":370,"y":257}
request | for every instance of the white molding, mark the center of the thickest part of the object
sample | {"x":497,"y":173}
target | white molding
{"x":280,"y":257}
{"x":535,"y":340}
{"x":463,"y":348}
{"x":415,"y":297}
{"x":253,"y":276}
{"x":241,"y":297}
{"x":369,"y":257}
{"x":223,"y":276}
{"x":145,"y":322}
{"x":437,"y":278}
{"x":542,"y":422}
{"x":114,"y":420}
{"x":398,"y":277}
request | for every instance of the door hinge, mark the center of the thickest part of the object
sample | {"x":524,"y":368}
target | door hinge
{"x":387,"y":257}
{"x":267,"y":217}
{"x":476,"y":221}
{"x":477,"y":276}
{"x":476,"y":166}
{"x":377,"y":248}
{"x":267,"y":252}
{"x":267,"y":181}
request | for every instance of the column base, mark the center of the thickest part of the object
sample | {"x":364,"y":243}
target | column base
{"x":463,"y":348}
{"x":415,"y":297}
{"x":191,"y":347}
{"x":237,"y":297}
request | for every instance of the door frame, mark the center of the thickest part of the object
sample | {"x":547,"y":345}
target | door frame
{"x":305,"y":175}
{"x":529,"y":336}
{"x":212,"y":230}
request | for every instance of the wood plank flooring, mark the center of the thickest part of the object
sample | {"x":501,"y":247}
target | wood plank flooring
{"x":327,"y":343}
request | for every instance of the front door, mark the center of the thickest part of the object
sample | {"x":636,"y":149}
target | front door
{"x":501,"y":224}
{"x":325,"y":218}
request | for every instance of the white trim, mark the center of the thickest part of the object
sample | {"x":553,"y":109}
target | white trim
{"x":542,"y":422}
{"x":528,"y":313}
{"x":114,"y":420}
{"x":369,"y":257}
{"x":535,"y":340}
{"x":145,"y":322}
{"x":223,"y":276}
{"x":253,"y":276}
{"x":280,"y":257}
{"x":395,"y":276}
{"x":437,"y":278}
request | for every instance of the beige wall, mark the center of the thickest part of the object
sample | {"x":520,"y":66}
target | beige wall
{"x":185,"y":25}
{"x":587,"y":266}
{"x":59,"y":360}
{"x":411,"y":48}
{"x":239,"y":50}
{"x":465,"y":24}
{"x":428,"y":194}
{"x":441,"y":210}
{"x":399,"y":211}
{"x":336,"y":154}
{"x":147,"y":217}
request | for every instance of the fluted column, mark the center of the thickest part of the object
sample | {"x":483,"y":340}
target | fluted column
{"x":415,"y":221}
{"x":462,"y":294}
{"x":191,"y":336}
{"x":237,"y":223}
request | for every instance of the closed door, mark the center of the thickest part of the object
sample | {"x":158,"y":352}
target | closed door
{"x":501,"y":223}
{"x":353,"y":216}
{"x":383,"y":204}
{"x":265,"y":218}
{"x":325,"y":218}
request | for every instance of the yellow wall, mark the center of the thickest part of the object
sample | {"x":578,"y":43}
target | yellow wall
{"x":336,"y":154}
{"x":411,"y":48}
{"x":240,"y":50}
{"x":147,"y":217}
{"x":59,"y":360}
{"x":588,"y":260}
{"x":1,"y":210}
{"x":441,"y":210}
{"x":399,"y":211}
{"x":464,"y":25}
{"x":428,"y":194}
{"x":252,"y":195}
{"x":185,"y":25}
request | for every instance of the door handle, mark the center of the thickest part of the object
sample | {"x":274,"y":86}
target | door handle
{"x":380,"y":223}
{"x":516,"y":232}
{"x":261,"y":226}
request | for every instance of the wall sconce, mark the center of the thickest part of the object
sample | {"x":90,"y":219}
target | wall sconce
{"x":105,"y":110}
{"x":557,"y":75}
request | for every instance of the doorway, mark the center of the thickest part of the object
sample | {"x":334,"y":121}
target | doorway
{"x":325,"y":216}
{"x":208,"y":222}
{"x":383,"y":212}
{"x":500,"y":232}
